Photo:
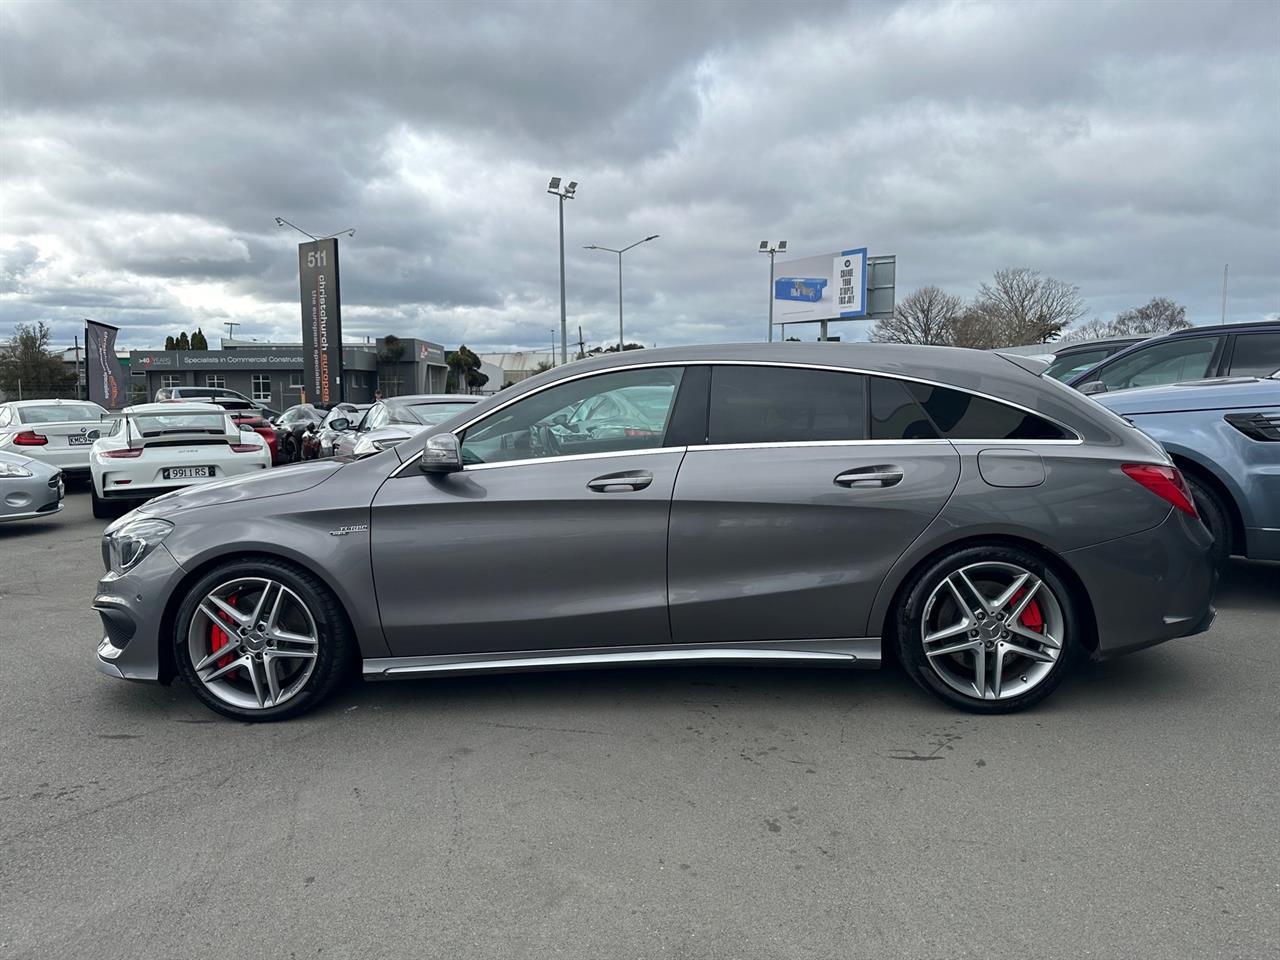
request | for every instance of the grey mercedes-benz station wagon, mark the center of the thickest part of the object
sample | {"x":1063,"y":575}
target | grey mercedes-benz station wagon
{"x":815,"y":504}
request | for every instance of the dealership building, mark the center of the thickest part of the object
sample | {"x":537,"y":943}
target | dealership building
{"x":271,"y":373}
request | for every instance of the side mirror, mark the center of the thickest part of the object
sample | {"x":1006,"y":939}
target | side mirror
{"x":340,"y":424}
{"x":245,"y":428}
{"x":441,"y":454}
{"x":1093,"y":387}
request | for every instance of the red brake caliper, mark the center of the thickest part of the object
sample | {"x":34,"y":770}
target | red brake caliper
{"x":218,"y":638}
{"x":1031,"y":617}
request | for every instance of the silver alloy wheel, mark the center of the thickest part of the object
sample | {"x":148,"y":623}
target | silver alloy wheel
{"x":992,"y":630}
{"x":253,"y":642}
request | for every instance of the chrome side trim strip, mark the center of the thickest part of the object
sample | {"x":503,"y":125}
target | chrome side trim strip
{"x":863,"y":653}
{"x":571,"y":456}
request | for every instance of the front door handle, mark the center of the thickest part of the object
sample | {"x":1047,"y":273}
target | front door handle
{"x":882,"y":475}
{"x":621,"y":482}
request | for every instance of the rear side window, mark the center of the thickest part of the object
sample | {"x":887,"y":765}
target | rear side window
{"x":895,"y":414}
{"x":785,"y":405}
{"x":1170,"y":361}
{"x":962,"y":416}
{"x":1255,"y":355}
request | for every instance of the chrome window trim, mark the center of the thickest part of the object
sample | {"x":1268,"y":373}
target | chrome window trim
{"x":796,"y":444}
{"x":792,"y":364}
{"x":470,"y":467}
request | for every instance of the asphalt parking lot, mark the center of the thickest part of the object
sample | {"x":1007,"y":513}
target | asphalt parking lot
{"x":669,"y":812}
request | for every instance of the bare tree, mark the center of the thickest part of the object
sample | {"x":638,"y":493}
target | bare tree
{"x":1158,"y":315}
{"x":977,"y":328}
{"x":1026,"y":307}
{"x":925,"y":316}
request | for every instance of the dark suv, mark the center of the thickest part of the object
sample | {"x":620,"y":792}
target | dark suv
{"x":1230,"y":350}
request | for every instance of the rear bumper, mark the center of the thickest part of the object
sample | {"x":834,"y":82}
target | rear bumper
{"x":1150,"y":587}
{"x":1262,"y":543}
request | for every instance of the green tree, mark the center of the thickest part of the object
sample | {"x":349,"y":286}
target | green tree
{"x":170,"y":343}
{"x":30,"y":369}
{"x":198,"y":341}
{"x":392,"y":349}
{"x":464,"y":371}
{"x":184,"y":342}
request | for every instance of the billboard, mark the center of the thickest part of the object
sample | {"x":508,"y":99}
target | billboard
{"x":103,"y":371}
{"x":829,"y":287}
{"x":321,"y":321}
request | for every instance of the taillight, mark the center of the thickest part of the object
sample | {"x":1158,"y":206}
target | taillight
{"x":128,"y":453}
{"x":1167,"y":483}
{"x":1256,"y":426}
{"x":245,"y":448}
{"x":29,"y":438}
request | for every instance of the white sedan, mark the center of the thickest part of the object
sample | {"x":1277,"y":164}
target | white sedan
{"x":59,"y":433}
{"x":158,"y":447}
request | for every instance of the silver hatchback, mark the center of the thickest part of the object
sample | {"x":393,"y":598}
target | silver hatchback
{"x":817,"y":504}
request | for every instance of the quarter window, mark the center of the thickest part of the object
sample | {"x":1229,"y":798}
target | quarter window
{"x":895,"y":414}
{"x":611,"y":412}
{"x":1256,"y":355}
{"x":963,"y":416}
{"x":261,"y":386}
{"x":785,"y":405}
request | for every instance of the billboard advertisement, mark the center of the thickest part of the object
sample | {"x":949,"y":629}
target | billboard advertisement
{"x":104,"y":373}
{"x":321,"y":321}
{"x":828,"y":287}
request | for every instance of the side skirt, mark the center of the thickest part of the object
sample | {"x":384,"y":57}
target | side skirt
{"x":861,"y":653}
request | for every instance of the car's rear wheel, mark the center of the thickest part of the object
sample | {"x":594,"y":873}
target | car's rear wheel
{"x":102,"y":509}
{"x":989,"y":629}
{"x":261,"y":640}
{"x":1214,"y":515}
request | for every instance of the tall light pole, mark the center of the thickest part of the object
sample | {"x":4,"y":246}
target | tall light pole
{"x":621,"y":341}
{"x":564,"y":194}
{"x":765,"y":247}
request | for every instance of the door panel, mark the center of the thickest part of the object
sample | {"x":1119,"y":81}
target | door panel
{"x":792,"y":541}
{"x":526,"y":555}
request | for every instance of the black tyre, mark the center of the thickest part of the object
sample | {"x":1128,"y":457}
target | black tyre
{"x":261,"y":640}
{"x":1213,"y":513}
{"x":102,"y":509}
{"x":989,"y":629}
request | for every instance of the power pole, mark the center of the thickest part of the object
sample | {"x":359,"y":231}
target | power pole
{"x":582,"y":345}
{"x":78,"y":397}
{"x":1224,"y":292}
{"x":231,"y":328}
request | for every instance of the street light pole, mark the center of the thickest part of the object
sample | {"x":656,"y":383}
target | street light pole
{"x":766,"y":247}
{"x":621,"y":340}
{"x":564,"y":194}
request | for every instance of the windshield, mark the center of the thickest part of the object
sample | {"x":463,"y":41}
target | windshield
{"x":429,"y":414}
{"x":1064,"y":368}
{"x":60,"y":413}
{"x":158,"y":424}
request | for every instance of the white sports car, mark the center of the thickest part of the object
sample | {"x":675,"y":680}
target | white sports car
{"x":157,"y":447}
{"x":55,"y":432}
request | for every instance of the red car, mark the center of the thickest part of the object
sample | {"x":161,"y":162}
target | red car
{"x":260,"y":426}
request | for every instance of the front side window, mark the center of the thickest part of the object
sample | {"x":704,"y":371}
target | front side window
{"x":963,"y":416}
{"x":261,"y":386}
{"x":5,"y":416}
{"x":377,"y":418}
{"x":607,"y":413}
{"x":1255,"y":355}
{"x":785,"y":405}
{"x":1161,"y":363}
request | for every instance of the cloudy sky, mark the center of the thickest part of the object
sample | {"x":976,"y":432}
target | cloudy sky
{"x":146,"y":149}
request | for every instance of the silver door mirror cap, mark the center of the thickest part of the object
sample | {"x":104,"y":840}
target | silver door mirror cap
{"x":1092,"y":387}
{"x":441,"y":454}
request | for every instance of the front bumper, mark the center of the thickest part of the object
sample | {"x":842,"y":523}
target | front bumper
{"x":30,"y":497}
{"x":1149,"y":587}
{"x":132,"y":607}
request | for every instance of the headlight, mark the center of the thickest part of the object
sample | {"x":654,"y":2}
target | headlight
{"x":14,"y":470}
{"x":124,"y":546}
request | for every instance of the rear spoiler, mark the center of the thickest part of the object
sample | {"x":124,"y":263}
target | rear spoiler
{"x":170,"y":437}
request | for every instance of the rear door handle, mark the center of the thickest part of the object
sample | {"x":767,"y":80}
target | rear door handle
{"x":621,"y":482}
{"x":883,"y":475}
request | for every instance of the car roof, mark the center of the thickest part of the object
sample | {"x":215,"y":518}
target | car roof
{"x":51,"y":402}
{"x":434,"y":398}
{"x":1084,"y":345}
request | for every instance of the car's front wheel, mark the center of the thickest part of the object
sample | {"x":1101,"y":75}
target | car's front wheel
{"x":989,"y":629}
{"x":261,"y":640}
